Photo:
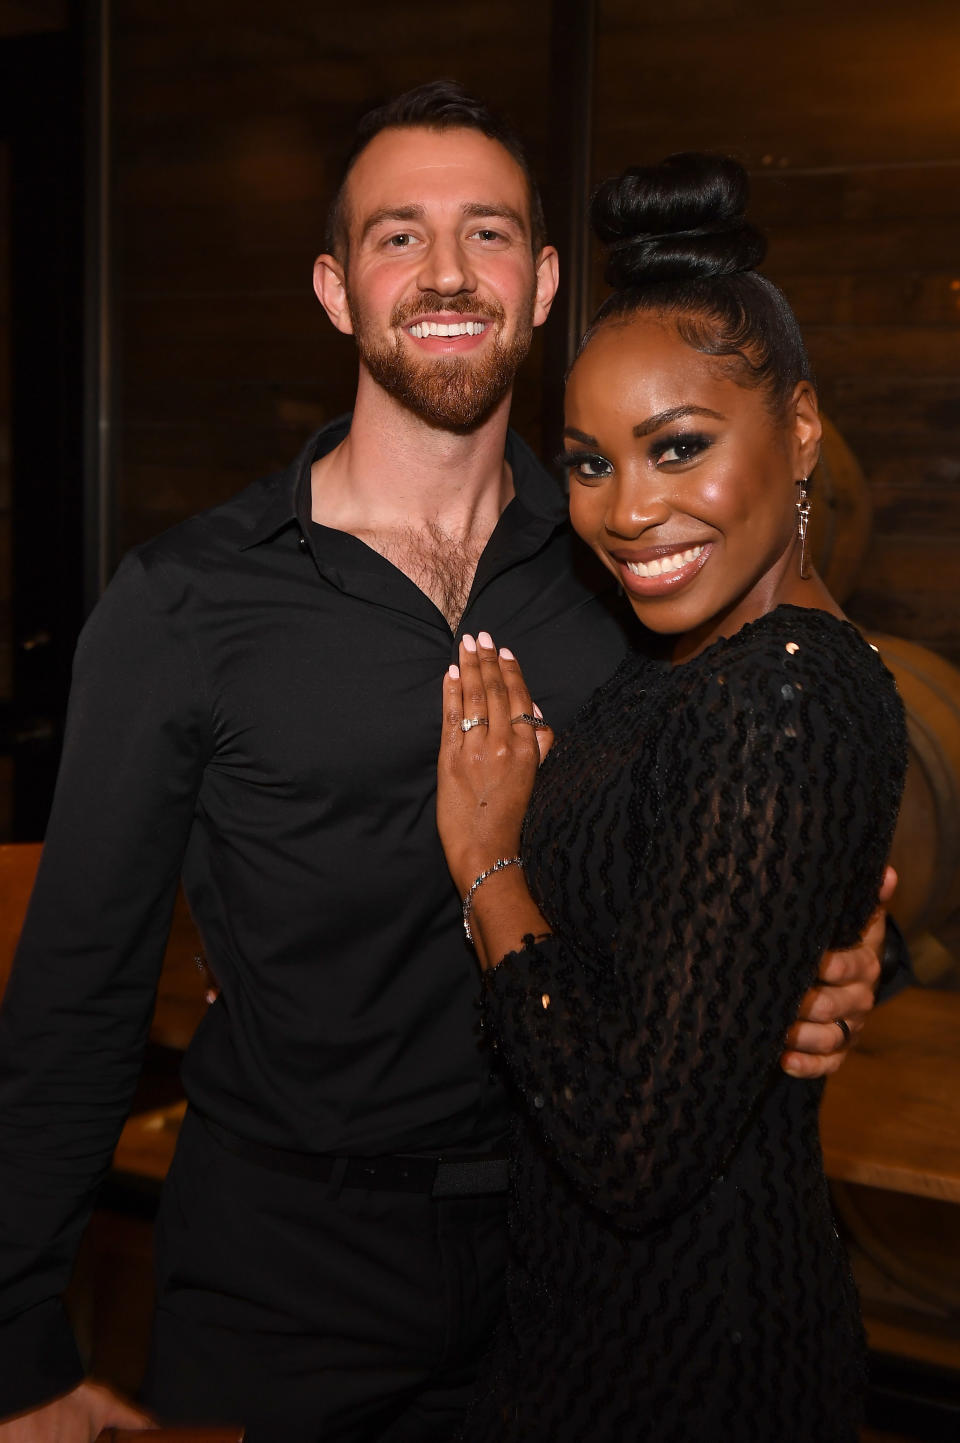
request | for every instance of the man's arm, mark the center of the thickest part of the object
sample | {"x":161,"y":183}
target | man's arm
{"x":846,"y":988}
{"x":78,"y":1004}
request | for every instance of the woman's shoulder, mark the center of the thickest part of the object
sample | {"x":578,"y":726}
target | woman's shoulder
{"x":799,"y":640}
{"x":817,"y":663}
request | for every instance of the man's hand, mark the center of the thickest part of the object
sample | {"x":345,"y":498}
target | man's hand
{"x":77,"y":1417}
{"x":816,"y":1044}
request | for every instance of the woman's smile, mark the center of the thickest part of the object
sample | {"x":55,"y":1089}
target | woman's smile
{"x":658,"y":570}
{"x":684,"y":481}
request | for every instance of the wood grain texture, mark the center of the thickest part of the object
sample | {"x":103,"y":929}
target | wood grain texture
{"x":891,"y":1115}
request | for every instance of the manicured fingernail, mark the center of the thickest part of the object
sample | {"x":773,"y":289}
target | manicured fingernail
{"x":468,"y":642}
{"x":485,"y":639}
{"x":537,"y":711}
{"x":507,"y":654}
{"x":453,"y":671}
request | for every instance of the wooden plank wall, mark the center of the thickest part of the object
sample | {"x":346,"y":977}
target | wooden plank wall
{"x":848,"y":117}
{"x":228,"y":119}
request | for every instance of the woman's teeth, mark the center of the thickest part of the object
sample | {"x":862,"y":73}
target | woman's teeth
{"x":452,"y":328}
{"x":663,"y":565}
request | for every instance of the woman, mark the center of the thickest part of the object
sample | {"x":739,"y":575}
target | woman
{"x":711,"y":822}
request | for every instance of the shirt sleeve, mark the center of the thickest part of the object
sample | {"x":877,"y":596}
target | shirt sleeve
{"x":896,"y":970}
{"x":79,"y":1001}
{"x":640,"y":1064}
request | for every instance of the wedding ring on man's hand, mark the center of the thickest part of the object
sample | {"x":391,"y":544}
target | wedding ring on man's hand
{"x":531,"y":721}
{"x":473,"y":721}
{"x":844,"y":1028}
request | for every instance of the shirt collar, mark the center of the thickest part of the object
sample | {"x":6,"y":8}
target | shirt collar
{"x":290,"y":499}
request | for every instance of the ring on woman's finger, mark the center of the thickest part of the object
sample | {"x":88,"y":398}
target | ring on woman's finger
{"x":530,"y":720}
{"x":844,"y":1028}
{"x":473,"y":721}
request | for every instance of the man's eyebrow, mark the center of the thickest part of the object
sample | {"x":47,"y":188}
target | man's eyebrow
{"x":391,"y":212}
{"x":478,"y":210}
{"x":663,"y":418}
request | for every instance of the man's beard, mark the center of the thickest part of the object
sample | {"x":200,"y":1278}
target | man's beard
{"x":456,"y":393}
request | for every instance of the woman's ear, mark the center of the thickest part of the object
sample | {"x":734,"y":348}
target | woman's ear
{"x":805,"y":428}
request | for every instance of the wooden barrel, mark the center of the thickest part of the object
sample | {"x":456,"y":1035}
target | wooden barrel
{"x":926,"y":847}
{"x":841,"y":514}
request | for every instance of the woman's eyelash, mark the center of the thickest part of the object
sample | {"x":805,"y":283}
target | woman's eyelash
{"x":686,"y":444}
{"x":569,"y":459}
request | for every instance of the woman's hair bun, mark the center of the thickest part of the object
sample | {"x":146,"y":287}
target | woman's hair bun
{"x":681,"y":219}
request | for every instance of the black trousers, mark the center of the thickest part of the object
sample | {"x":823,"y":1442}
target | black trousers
{"x":314,"y":1314}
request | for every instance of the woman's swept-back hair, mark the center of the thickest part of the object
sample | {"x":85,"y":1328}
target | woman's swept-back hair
{"x":438,"y":105}
{"x":678,"y":243}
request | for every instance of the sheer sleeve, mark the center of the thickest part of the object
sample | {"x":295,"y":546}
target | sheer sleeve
{"x":642,"y":1054}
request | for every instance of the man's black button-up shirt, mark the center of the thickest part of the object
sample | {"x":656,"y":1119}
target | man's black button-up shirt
{"x":257,"y":703}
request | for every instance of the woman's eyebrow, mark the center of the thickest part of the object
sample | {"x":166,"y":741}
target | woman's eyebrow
{"x":663,"y":418}
{"x":580,"y":436}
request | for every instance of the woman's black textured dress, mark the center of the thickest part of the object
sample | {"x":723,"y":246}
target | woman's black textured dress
{"x":696,"y":839}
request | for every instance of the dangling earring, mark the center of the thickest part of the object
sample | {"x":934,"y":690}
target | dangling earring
{"x":803,"y":517}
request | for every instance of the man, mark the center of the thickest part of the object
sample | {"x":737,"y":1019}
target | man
{"x":257,"y":700}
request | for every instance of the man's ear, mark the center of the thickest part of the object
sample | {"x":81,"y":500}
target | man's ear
{"x":548,"y":278}
{"x":806,"y":428}
{"x":330,"y":285}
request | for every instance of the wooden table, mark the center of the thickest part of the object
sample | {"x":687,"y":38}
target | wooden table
{"x":890,"y":1127}
{"x":181,"y":994}
{"x":891,"y":1115}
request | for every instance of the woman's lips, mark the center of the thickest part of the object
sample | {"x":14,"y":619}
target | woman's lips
{"x":660,"y":574}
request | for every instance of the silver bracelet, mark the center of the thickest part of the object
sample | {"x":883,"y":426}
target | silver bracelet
{"x":498,"y":866}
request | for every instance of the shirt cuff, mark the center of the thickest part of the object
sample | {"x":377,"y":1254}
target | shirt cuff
{"x":40,"y":1358}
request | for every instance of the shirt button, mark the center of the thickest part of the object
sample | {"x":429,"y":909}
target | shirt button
{"x":303,"y":543}
{"x":538,"y":1099}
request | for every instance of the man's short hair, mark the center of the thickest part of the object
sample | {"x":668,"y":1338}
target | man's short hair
{"x":438,"y":105}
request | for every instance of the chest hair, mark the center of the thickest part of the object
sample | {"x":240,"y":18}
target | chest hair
{"x":442,"y":566}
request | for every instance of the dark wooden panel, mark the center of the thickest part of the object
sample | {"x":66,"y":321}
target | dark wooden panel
{"x":919,"y":191}
{"x":885,"y":298}
{"x":885,"y":351}
{"x":28,"y":17}
{"x":842,"y":84}
{"x":258,"y":338}
{"x":865,"y":246}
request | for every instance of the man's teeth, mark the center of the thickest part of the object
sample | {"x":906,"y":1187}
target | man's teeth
{"x":451,"y":328}
{"x":663,"y":565}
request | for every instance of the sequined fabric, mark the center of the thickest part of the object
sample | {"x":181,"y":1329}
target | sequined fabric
{"x":696,"y":839}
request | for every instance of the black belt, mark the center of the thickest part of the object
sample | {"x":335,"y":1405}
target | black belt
{"x":464,"y":1177}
